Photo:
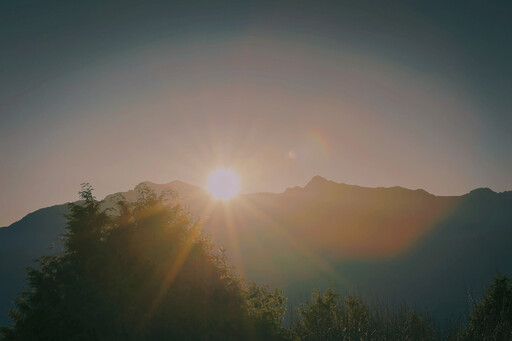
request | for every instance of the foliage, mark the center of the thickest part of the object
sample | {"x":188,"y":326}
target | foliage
{"x":331,"y":316}
{"x":319,"y":319}
{"x":144,"y":273}
{"x":267,"y":307}
{"x":491,"y":318}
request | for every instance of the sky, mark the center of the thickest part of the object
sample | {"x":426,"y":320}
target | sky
{"x":372,"y":93}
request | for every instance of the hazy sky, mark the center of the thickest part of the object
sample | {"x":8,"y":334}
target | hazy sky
{"x":373,"y":94}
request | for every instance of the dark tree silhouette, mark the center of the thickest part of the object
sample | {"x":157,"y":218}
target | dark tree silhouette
{"x":145,"y":272}
{"x":491,"y":318}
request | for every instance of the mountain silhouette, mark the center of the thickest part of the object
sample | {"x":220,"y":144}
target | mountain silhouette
{"x":394,"y":243}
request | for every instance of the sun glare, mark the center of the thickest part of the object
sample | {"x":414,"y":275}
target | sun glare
{"x":223,"y":184}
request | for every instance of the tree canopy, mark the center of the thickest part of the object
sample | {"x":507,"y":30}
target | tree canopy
{"x":491,"y":317}
{"x":141,"y":272}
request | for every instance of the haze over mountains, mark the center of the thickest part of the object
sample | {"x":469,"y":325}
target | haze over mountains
{"x":394,"y":243}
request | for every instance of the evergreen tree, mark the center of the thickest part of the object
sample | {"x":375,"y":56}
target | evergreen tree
{"x":491,"y":318}
{"x":144,"y":273}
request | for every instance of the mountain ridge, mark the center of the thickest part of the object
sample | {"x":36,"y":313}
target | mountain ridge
{"x":314,"y":182}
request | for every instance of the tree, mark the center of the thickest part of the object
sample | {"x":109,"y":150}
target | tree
{"x":319,"y":319}
{"x":60,"y":302}
{"x":331,"y":316}
{"x":267,"y":307}
{"x":145,"y":272}
{"x":491,"y":318}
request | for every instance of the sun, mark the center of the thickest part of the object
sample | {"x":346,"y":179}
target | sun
{"x":223,"y":184}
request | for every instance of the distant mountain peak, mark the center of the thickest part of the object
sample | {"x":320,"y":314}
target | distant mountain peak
{"x":318,"y":181}
{"x":482,"y":192}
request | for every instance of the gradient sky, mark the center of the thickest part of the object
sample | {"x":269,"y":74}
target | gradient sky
{"x":374,"y":94}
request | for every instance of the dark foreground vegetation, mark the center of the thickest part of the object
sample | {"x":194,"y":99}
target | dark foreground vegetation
{"x":144,"y":271}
